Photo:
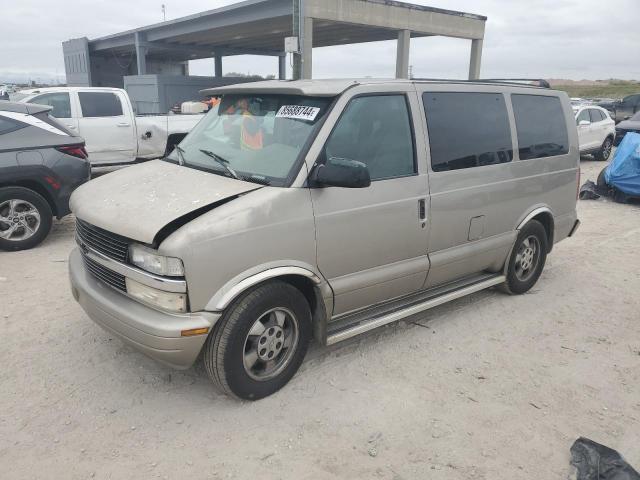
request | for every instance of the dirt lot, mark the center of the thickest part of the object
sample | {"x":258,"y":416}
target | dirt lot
{"x":488,"y":387}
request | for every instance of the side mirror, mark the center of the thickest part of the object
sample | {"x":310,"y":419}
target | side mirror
{"x":584,"y":123}
{"x":341,"y":172}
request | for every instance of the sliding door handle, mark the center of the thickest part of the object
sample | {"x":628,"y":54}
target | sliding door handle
{"x":422,"y":211}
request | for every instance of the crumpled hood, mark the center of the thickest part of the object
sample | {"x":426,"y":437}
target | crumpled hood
{"x":137,"y":202}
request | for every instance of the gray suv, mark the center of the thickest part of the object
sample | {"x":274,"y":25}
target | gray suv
{"x":324,"y":209}
{"x":41,"y":164}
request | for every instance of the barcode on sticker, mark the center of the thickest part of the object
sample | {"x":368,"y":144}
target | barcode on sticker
{"x":298,"y":112}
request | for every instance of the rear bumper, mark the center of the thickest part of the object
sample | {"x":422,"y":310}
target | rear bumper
{"x":152,"y":332}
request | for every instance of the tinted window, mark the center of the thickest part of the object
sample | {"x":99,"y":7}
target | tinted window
{"x":376,"y":131}
{"x":467,"y":130}
{"x":100,"y":104}
{"x":584,"y":116}
{"x":541,"y":126}
{"x":596,"y":115}
{"x":7,"y":125}
{"x":59,"y":101}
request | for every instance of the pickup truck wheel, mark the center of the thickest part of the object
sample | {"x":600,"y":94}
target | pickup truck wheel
{"x":527,"y":258}
{"x":604,"y":153}
{"x":260,"y":342}
{"x":25,"y":218}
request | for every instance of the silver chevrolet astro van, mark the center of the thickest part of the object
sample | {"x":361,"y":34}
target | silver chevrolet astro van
{"x":323,"y":209}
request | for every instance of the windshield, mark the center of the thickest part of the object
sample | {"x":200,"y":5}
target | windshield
{"x":256,"y":138}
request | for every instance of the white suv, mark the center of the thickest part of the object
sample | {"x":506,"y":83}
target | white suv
{"x":596,"y":131}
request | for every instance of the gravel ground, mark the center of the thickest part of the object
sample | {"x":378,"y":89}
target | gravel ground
{"x":487,"y":387}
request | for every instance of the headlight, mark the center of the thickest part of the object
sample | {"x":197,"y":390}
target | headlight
{"x":173,"y":302}
{"x":149,"y":260}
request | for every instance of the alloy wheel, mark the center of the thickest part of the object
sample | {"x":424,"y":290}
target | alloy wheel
{"x":19,"y":220}
{"x":270,"y":344}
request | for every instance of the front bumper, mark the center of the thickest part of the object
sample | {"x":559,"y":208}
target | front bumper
{"x":152,"y":332}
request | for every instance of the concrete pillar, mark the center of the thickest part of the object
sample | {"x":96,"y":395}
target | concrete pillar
{"x":141,"y":53}
{"x":282,"y":67}
{"x":307,"y":49}
{"x":298,"y":28}
{"x":476,"y":59}
{"x":217,"y":59}
{"x":402,"y":56}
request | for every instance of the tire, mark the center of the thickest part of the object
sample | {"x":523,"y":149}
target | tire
{"x":604,"y":153}
{"x":255,"y":365}
{"x":519,"y":279}
{"x":27,"y":214}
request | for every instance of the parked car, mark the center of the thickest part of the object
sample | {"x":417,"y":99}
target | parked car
{"x":596,"y":131}
{"x":105,"y":118}
{"x":626,"y":126}
{"x":323,"y":209}
{"x":623,"y":109}
{"x":41,"y":164}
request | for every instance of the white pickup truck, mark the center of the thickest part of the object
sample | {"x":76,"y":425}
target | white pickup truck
{"x":113,"y":133}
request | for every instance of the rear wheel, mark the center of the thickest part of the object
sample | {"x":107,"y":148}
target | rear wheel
{"x":260,"y":342}
{"x":25,"y":218}
{"x":527,"y":258}
{"x":604,"y":153}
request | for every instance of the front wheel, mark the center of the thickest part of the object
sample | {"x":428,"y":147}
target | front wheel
{"x":604,"y":153}
{"x":25,"y":218}
{"x":527,"y":258}
{"x":260,"y":342}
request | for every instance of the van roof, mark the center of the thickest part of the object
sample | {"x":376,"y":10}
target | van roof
{"x":334,"y":87}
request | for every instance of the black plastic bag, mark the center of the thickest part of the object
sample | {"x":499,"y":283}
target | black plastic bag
{"x":597,"y":462}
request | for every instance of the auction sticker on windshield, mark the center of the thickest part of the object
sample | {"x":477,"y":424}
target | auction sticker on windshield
{"x":298,"y":112}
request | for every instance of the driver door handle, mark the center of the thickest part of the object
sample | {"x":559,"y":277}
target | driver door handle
{"x":124,"y":124}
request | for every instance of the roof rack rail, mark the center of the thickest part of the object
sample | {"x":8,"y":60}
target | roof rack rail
{"x":531,"y":82}
{"x":537,"y":82}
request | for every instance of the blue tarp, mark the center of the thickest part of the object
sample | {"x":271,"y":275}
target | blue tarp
{"x":623,"y":172}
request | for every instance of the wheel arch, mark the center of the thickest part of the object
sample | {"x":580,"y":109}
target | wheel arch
{"x":36,"y":187}
{"x":544,"y":215}
{"x":314,"y":288}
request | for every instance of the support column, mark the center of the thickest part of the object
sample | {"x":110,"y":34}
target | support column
{"x":402,"y":55}
{"x":307,"y":49}
{"x":476,"y":59}
{"x":298,"y":28}
{"x":141,"y":53}
{"x":282,"y":67}
{"x":217,"y":59}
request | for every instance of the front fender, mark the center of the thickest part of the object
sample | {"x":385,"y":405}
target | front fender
{"x":259,"y":274}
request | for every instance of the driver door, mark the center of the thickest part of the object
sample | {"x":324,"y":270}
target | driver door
{"x":372,"y":242}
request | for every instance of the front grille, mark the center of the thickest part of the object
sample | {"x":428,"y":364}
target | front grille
{"x":109,"y":277}
{"x":109,"y":244}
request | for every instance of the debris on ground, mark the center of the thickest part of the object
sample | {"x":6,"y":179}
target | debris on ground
{"x":597,"y":462}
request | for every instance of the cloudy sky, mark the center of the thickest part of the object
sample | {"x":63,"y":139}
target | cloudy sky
{"x":575,"y":39}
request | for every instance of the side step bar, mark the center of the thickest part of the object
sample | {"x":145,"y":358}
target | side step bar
{"x":439,"y":296}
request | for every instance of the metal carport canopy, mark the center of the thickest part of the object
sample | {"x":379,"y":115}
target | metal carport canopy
{"x":260,"y":27}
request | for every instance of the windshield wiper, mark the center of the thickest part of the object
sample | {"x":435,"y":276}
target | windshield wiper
{"x":222,"y":162}
{"x":180,"y":151}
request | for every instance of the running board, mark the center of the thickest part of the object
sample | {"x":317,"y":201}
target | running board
{"x":356,"y":323}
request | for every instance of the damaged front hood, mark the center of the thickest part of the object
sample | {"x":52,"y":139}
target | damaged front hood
{"x":138,"y":201}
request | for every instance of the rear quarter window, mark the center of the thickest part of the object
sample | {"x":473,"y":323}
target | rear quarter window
{"x":467,"y":130}
{"x":100,"y":104}
{"x":541,"y":126}
{"x":8,"y":125}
